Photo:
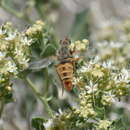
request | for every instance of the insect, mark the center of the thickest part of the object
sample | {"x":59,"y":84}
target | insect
{"x":65,"y":67}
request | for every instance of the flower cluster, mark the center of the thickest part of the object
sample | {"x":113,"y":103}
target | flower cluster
{"x":14,"y":55}
{"x":79,"y":45}
{"x":43,"y":38}
{"x":100,"y":85}
{"x":104,"y":124}
{"x":97,"y":76}
{"x":86,"y":107}
{"x":115,"y":52}
{"x":114,"y":32}
{"x":112,"y":44}
{"x":16,"y":51}
{"x":36,"y":29}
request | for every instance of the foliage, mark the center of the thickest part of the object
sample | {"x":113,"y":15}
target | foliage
{"x":100,"y":83}
{"x":101,"y":78}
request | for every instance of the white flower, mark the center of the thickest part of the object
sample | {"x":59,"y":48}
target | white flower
{"x":109,"y":64}
{"x":25,"y":41}
{"x":108,"y":99}
{"x":24,"y":61}
{"x":11,"y":36}
{"x":48,"y":124}
{"x":18,"y":52}
{"x":11,"y":67}
{"x":85,"y":68}
{"x":91,"y":88}
{"x":60,"y":112}
{"x":123,"y":76}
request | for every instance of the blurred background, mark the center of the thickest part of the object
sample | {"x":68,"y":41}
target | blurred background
{"x":95,"y":20}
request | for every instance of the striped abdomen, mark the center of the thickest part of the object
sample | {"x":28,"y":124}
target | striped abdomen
{"x":65,"y":72}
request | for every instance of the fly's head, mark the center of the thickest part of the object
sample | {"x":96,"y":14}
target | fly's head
{"x":64,"y":51}
{"x":66,"y":42}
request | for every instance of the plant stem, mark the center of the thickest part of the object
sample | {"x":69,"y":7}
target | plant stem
{"x":37,"y":93}
{"x":46,"y":77}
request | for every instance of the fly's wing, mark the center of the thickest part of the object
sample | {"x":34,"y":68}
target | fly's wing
{"x":58,"y":72}
{"x":40,"y":64}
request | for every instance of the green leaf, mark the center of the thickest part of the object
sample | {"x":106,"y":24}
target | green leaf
{"x":80,"y":29}
{"x":48,"y":50}
{"x":100,"y":111}
{"x":37,"y":123}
